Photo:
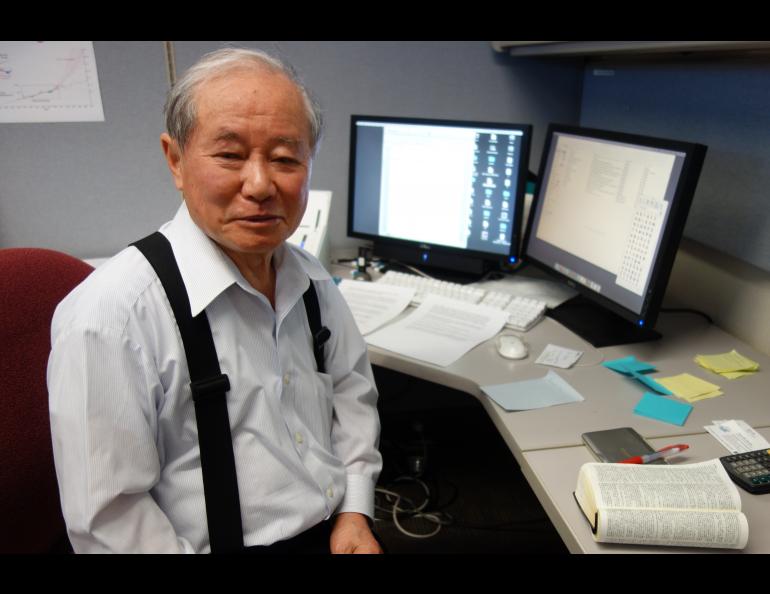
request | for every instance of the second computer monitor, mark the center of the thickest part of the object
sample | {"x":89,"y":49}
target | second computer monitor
{"x":608,"y":217}
{"x":446,"y":194}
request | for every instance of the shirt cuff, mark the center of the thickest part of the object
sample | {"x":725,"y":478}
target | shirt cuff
{"x":359,"y":496}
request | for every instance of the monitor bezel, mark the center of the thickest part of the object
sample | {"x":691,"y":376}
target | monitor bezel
{"x":400,"y":245}
{"x":673,"y":230}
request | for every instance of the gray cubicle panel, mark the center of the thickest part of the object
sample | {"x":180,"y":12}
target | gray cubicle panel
{"x":720,"y":101}
{"x":90,"y":188}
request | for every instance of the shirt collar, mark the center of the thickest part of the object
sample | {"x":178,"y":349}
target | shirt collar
{"x":207,"y":271}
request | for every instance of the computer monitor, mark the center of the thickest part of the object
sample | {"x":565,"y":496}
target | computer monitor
{"x":607,"y":219}
{"x":444,"y":195}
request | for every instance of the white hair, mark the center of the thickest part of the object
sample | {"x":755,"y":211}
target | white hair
{"x":180,"y":106}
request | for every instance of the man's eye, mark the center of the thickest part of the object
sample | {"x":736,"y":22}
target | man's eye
{"x":288,"y":161}
{"x":228,"y":156}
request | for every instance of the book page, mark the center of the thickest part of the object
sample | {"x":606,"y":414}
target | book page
{"x":702,"y":486}
{"x":672,"y":528}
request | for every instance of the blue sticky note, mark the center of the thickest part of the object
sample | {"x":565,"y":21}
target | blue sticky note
{"x":629,"y":366}
{"x":651,"y":383}
{"x":663,"y":409}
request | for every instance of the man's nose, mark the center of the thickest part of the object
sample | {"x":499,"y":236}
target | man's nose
{"x":258,"y":180}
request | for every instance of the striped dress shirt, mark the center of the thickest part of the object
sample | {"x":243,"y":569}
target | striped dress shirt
{"x":123,"y":421}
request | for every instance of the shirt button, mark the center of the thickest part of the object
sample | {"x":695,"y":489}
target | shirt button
{"x":286,"y":379}
{"x":330,"y":493}
{"x":298,"y":438}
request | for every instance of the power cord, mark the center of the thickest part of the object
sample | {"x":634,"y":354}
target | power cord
{"x":687,"y":310}
{"x":392,"y":505}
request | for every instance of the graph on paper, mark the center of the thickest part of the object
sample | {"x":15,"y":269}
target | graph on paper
{"x":49,"y":81}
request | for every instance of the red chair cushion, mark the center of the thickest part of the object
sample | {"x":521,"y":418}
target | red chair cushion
{"x":33,"y":282}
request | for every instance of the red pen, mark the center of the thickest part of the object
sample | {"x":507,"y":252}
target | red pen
{"x":663,"y":453}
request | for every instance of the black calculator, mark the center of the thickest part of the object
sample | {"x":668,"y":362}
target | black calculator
{"x":750,"y":471}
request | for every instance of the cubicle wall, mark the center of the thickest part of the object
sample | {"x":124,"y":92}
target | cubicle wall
{"x":722,"y":101}
{"x":89,"y":189}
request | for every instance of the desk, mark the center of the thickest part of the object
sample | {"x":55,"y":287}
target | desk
{"x":609,"y":397}
{"x":547,"y":443}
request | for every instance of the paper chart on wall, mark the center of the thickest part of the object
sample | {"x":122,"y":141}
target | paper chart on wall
{"x":49,"y":81}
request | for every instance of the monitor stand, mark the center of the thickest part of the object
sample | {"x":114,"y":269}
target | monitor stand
{"x":455,"y":268}
{"x":598,"y":325}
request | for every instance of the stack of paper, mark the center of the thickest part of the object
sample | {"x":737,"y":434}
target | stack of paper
{"x":730,"y":365}
{"x":440,"y":331}
{"x":374,"y":304}
{"x":689,"y":387}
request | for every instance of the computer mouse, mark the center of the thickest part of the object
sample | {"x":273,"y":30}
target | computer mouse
{"x":511,"y":347}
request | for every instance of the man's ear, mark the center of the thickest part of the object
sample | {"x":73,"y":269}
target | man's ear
{"x":173,"y":158}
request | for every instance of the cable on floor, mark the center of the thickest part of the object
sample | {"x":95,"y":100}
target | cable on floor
{"x":392,"y":505}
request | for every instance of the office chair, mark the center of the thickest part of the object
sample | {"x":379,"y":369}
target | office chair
{"x":32,"y":283}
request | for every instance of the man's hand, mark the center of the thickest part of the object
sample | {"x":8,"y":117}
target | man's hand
{"x":351,"y":534}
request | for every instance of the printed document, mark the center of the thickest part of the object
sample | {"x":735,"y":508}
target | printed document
{"x":440,"y":331}
{"x":374,"y":304}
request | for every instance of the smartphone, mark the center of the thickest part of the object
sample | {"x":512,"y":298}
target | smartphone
{"x":614,"y":445}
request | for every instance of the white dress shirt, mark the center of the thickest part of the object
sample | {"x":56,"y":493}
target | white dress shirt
{"x":125,"y":438}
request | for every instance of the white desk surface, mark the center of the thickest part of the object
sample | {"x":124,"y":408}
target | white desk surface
{"x":552,"y":474}
{"x":547,"y":442}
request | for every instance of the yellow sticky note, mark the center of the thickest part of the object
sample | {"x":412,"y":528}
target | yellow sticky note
{"x":727,"y":362}
{"x":688,"y":386}
{"x":735,"y":374}
{"x":705,"y":396}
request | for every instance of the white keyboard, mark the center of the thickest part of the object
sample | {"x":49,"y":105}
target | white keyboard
{"x":523,"y":313}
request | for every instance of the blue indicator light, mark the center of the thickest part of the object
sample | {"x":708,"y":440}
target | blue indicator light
{"x":512,"y":259}
{"x":641,"y":323}
{"x":425,"y":256}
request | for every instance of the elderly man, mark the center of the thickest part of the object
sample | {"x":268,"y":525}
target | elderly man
{"x":241,"y":136}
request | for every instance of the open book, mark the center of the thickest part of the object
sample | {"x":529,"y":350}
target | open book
{"x":691,"y":505}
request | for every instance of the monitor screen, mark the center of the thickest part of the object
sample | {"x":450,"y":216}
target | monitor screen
{"x":436,"y":192}
{"x":609,"y":214}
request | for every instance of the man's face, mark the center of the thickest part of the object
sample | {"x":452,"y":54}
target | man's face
{"x":246,"y":167}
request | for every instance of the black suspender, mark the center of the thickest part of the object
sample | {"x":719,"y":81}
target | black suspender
{"x":320,"y":332}
{"x":209,"y":386}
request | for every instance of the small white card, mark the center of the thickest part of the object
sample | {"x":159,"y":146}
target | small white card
{"x":557,"y":356}
{"x":737,"y":436}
